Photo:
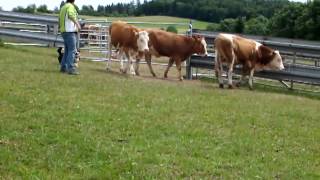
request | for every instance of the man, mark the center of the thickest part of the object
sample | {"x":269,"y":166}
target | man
{"x":69,"y":26}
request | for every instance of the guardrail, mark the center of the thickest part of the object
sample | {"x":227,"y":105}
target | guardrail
{"x":296,"y":73}
{"x":28,"y":18}
{"x":50,"y":39}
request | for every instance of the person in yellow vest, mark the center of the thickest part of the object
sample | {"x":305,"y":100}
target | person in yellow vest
{"x":69,"y":27}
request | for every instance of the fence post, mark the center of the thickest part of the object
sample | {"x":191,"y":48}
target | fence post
{"x":188,"y":66}
{"x":294,"y":63}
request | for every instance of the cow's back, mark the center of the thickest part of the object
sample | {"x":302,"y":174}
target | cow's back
{"x":231,"y":45}
{"x":245,"y":49}
{"x":123,"y":34}
{"x":224,"y":46}
{"x":167,"y":43}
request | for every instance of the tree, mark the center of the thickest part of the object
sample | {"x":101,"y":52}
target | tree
{"x":56,"y":10}
{"x":308,"y":24}
{"x":228,"y":25}
{"x":87,"y":10}
{"x":32,"y":8}
{"x":239,"y":26}
{"x":101,"y":11}
{"x":257,"y":26}
{"x":138,"y":3}
{"x":43,"y":9}
{"x":283,"y":22}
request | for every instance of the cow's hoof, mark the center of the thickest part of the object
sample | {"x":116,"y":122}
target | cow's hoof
{"x":123,"y":71}
{"x":238,"y":84}
{"x":154,"y":75}
{"x":231,"y":86}
{"x":137,"y":73}
{"x":165,"y":77}
{"x":221,"y":86}
{"x":250,"y":88}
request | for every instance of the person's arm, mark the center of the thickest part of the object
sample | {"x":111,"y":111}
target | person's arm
{"x":72,"y":14}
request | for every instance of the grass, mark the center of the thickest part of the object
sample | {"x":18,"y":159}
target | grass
{"x":104,"y":125}
{"x":157,"y":19}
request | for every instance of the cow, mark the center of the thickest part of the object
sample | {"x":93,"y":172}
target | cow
{"x":128,"y":39}
{"x":90,"y":32}
{"x":253,"y":56}
{"x":177,"y":47}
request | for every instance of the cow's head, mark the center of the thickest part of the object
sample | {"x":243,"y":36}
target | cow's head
{"x":200,"y":46}
{"x":270,"y":59}
{"x":142,"y":41}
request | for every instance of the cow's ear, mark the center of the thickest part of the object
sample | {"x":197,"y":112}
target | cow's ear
{"x":136,"y":33}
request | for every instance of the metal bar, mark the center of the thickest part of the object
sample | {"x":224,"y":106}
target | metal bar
{"x":285,"y":84}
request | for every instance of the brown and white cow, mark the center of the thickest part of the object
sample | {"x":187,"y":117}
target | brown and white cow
{"x":177,"y":47}
{"x":128,"y":39}
{"x":253,"y":56}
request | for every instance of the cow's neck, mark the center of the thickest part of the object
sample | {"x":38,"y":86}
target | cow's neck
{"x":191,"y":46}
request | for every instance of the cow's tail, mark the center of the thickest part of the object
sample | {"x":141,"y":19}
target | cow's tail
{"x":216,"y":63}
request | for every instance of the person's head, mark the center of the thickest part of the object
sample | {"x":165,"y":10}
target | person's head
{"x":70,"y":1}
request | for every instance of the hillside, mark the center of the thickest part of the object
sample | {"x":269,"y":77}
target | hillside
{"x":157,"y":19}
{"x":105,"y":125}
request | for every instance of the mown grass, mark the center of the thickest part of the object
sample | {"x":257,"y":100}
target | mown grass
{"x":104,"y":125}
{"x":156,"y":19}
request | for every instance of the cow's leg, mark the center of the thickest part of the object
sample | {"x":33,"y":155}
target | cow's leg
{"x":109,"y":54}
{"x":137,"y":67}
{"x":244,"y":73}
{"x":171,"y":61}
{"x":178,"y":65}
{"x":230,"y":71}
{"x":120,"y":57}
{"x":128,"y":62}
{"x":148,"y":60}
{"x":218,"y":69}
{"x":251,"y":79}
{"x":132,"y":70}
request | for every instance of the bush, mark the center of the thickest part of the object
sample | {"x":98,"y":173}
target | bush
{"x":257,"y":26}
{"x":212,"y":27}
{"x":172,"y":29}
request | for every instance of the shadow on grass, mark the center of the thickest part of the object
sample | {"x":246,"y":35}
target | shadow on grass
{"x":258,"y":87}
{"x":128,"y":75}
{"x":54,"y":71}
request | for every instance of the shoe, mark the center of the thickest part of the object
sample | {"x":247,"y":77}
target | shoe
{"x":63,"y":70}
{"x":74,"y":72}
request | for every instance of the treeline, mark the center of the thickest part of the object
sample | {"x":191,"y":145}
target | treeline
{"x":260,"y":17}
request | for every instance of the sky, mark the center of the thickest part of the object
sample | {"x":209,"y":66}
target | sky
{"x":8,"y":5}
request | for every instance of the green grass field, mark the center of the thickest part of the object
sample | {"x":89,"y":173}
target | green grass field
{"x":156,"y":19}
{"x":105,"y":125}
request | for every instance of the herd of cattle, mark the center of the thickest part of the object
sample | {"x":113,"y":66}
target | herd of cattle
{"x":230,"y":50}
